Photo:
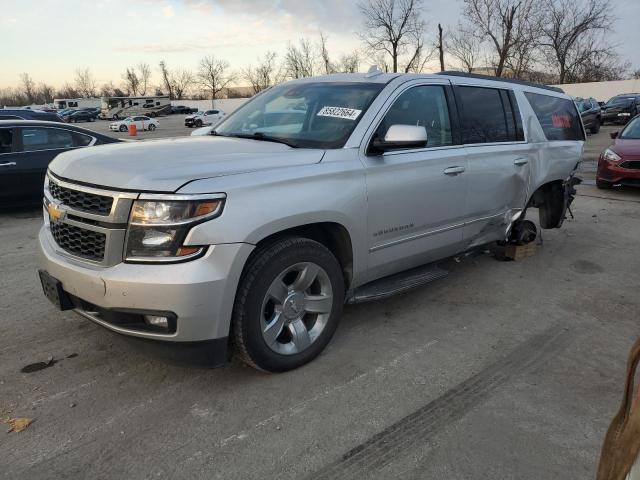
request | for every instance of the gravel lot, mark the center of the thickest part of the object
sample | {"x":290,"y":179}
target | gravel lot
{"x":502,"y":370}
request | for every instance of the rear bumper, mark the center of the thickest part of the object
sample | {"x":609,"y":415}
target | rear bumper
{"x":200,"y":293}
{"x":613,"y":173}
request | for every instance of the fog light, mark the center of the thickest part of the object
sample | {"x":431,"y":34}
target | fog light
{"x":156,"y":321}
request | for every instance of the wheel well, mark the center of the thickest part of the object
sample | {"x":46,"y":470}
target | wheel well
{"x":333,"y":236}
{"x":549,"y":200}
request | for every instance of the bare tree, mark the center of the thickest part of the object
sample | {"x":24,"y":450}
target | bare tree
{"x":393,"y":27}
{"x":214,"y":76}
{"x":144,"y":75}
{"x":419,"y":58}
{"x":181,"y":80}
{"x":506,"y":24}
{"x":46,"y":92}
{"x":85,"y":83}
{"x":440,"y":48}
{"x":636,"y":74}
{"x":566,"y":25}
{"x":131,"y":81}
{"x":327,"y":64}
{"x":349,"y":63}
{"x":166,"y":78}
{"x":264,"y":74}
{"x":68,"y":91}
{"x":464,"y":47}
{"x":29,"y":87}
{"x":299,"y":60}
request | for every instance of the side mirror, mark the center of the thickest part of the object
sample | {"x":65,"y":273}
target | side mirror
{"x":614,"y":135}
{"x":400,"y":137}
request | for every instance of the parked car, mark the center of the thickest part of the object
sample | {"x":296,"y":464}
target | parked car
{"x":620,"y":162}
{"x":590,"y":112}
{"x":81,"y":116}
{"x":181,"y":109}
{"x":621,"y":108}
{"x":141,"y":123}
{"x":264,"y":235}
{"x":23,"y":114}
{"x":201,"y":119}
{"x":27,"y":147}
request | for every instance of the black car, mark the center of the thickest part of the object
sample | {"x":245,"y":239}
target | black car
{"x":621,"y":108}
{"x":81,"y":116}
{"x":590,"y":112}
{"x":181,"y":109}
{"x":24,"y":114}
{"x":27,"y":147}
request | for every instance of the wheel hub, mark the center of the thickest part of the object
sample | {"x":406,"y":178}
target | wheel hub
{"x":293,"y":305}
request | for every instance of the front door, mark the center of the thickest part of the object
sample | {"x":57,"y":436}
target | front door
{"x":9,"y":169}
{"x":416,"y":197}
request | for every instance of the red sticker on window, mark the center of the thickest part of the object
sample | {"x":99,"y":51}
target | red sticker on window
{"x":561,"y":121}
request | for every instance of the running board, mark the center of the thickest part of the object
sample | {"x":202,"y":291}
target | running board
{"x":394,"y":284}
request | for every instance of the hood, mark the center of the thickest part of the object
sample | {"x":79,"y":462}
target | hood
{"x":166,"y":165}
{"x":627,"y":149}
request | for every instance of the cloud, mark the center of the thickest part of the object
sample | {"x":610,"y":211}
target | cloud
{"x":168,"y":11}
{"x":160,"y":48}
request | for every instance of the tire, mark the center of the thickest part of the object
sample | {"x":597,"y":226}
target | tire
{"x":115,"y":117}
{"x":123,"y":128}
{"x":198,"y":123}
{"x":596,"y":127}
{"x":602,"y":185}
{"x":151,"y":127}
{"x":271,"y":329}
{"x":153,"y":115}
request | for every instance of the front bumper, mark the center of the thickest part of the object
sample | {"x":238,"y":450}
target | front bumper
{"x":200,"y":293}
{"x":612,"y":172}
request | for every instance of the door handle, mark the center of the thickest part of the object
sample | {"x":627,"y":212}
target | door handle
{"x":520,"y":162}
{"x":453,"y":170}
{"x":8,"y":164}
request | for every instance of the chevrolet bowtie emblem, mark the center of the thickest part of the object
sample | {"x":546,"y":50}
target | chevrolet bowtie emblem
{"x":55,"y":214}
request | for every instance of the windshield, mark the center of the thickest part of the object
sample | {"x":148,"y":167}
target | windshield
{"x":128,"y":119}
{"x":632,"y":130}
{"x":312,"y":115}
{"x":619,"y":101}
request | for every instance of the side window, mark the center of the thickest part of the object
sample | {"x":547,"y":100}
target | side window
{"x":81,"y":140}
{"x":557,"y":116}
{"x":6,"y":140}
{"x":487,"y":116}
{"x":10,"y":117}
{"x":424,"y":106}
{"x":34,"y":139}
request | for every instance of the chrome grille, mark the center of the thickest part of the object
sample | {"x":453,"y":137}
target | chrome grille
{"x":79,"y":241}
{"x":80,"y":200}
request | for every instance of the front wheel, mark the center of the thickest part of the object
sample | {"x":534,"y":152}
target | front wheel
{"x":602,"y":185}
{"x":123,"y":128}
{"x":596,"y":127}
{"x":198,"y":123}
{"x":151,"y":127}
{"x":288,"y":304}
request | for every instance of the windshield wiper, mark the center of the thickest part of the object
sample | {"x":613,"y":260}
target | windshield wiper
{"x":259,"y":136}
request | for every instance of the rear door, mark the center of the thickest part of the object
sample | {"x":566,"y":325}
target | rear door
{"x":498,"y":160}
{"x":37,"y":147}
{"x":9,"y":170}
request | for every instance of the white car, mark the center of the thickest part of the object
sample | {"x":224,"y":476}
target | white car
{"x":201,"y":119}
{"x":141,"y":123}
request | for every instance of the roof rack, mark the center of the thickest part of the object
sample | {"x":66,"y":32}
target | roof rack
{"x":455,"y":73}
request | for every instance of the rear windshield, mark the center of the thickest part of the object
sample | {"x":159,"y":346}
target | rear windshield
{"x":619,"y":102}
{"x":557,"y":116}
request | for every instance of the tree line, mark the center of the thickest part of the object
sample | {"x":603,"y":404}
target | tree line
{"x":548,"y":41}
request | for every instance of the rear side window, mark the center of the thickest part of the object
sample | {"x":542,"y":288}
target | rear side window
{"x":557,"y":116}
{"x":6,"y":140}
{"x":488,"y":115}
{"x":81,"y":140}
{"x":45,"y":138}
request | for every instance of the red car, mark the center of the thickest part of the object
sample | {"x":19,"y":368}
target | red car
{"x":620,"y":163}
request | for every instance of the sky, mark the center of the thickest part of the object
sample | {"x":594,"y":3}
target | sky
{"x":50,"y":39}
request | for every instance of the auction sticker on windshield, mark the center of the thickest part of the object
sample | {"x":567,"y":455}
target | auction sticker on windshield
{"x":339,"y":112}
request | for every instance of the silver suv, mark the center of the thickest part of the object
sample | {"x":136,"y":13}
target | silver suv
{"x":316,"y":193}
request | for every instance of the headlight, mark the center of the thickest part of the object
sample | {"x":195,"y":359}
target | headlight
{"x":159,"y":224}
{"x":611,"y":156}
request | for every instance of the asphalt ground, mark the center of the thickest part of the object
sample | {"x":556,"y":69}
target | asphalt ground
{"x":504,"y":370}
